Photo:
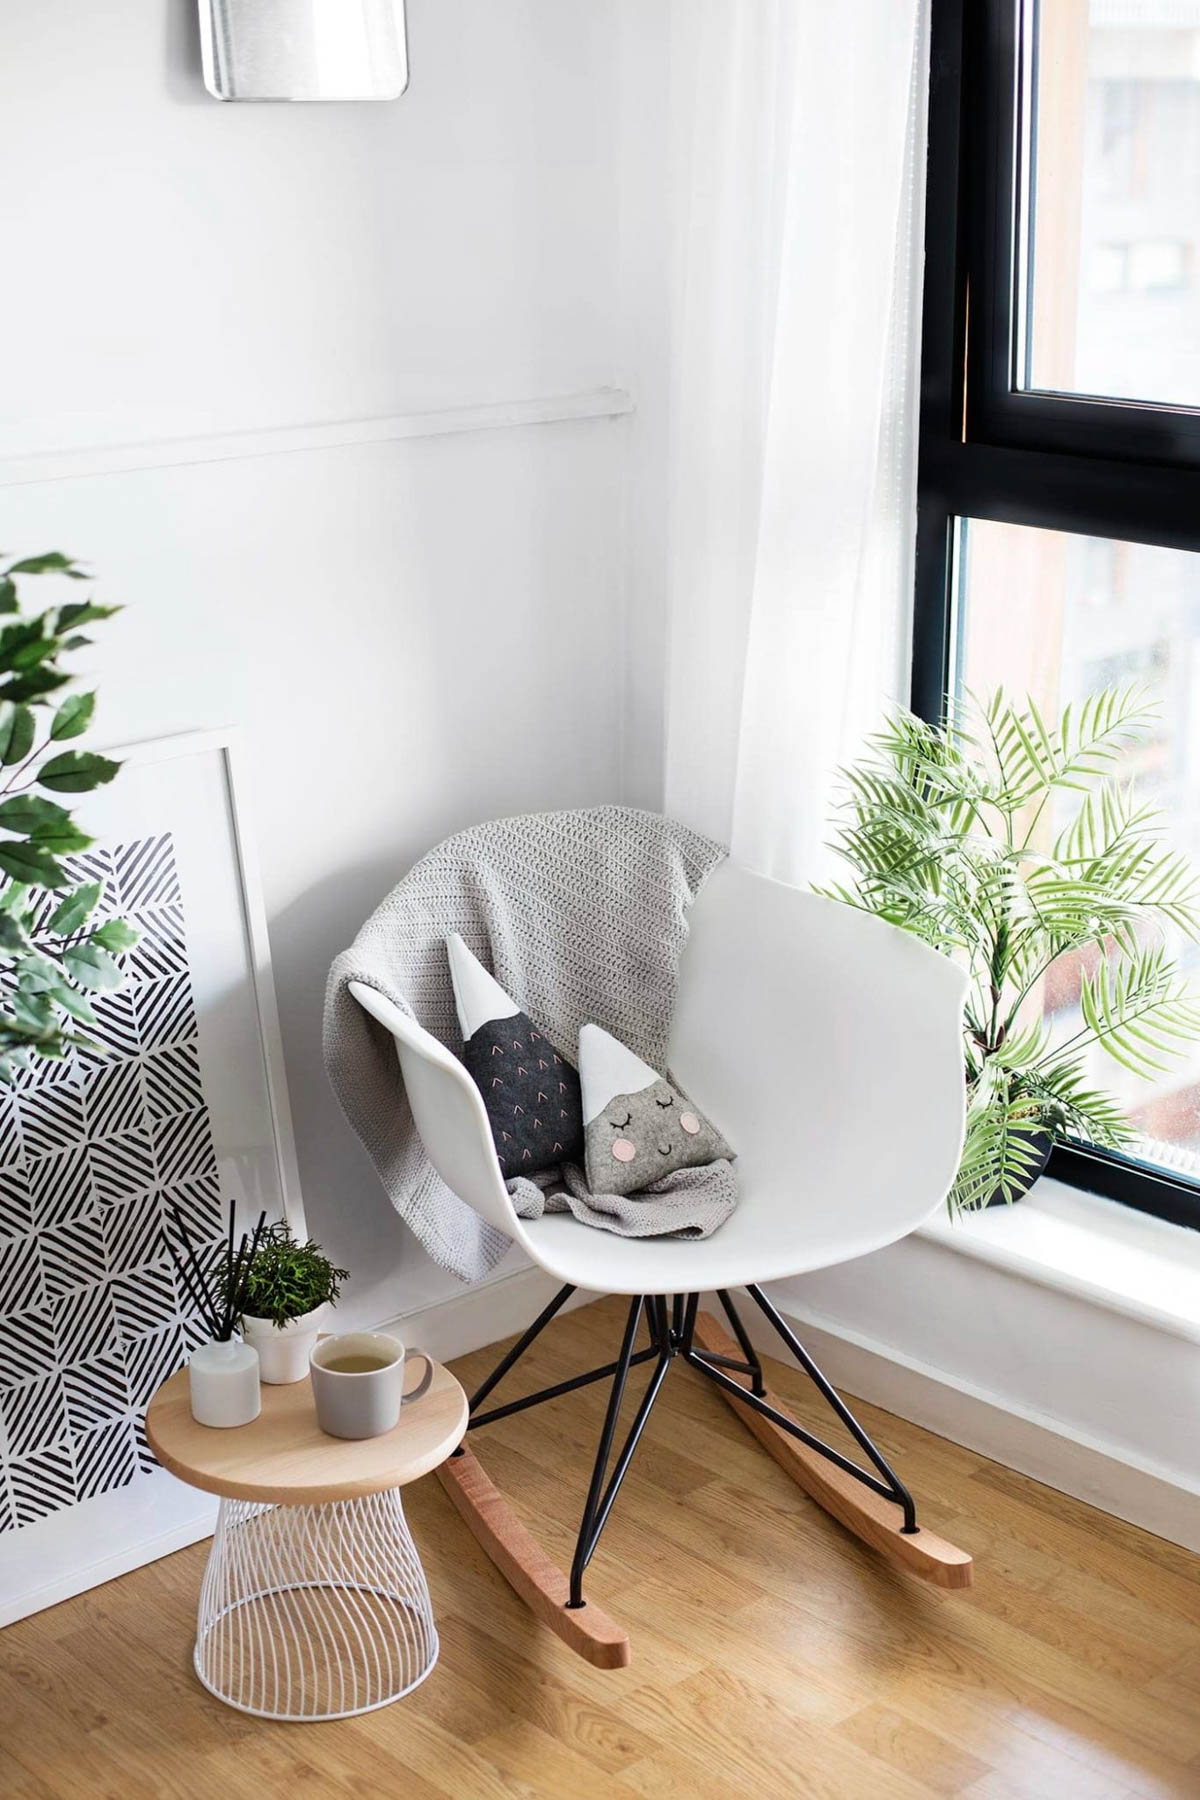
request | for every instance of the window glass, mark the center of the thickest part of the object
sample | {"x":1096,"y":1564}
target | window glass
{"x":1112,"y":204}
{"x":1058,"y":616}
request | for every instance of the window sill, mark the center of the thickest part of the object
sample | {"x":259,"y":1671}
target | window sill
{"x":1093,"y":1248}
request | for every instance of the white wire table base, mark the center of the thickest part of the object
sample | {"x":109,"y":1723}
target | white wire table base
{"x":314,"y":1612}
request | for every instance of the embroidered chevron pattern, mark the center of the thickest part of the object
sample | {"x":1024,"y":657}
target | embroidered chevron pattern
{"x":51,"y":1117}
{"x":113,"y":1100}
{"x":42,"y":1484}
{"x":10,"y":1137}
{"x":195,"y":1333}
{"x":115,"y":1030}
{"x":60,"y":1187}
{"x":161,"y":948}
{"x":34,"y":1414}
{"x":72,"y":1255}
{"x":164,"y":1012}
{"x":16,"y":1208}
{"x":122,"y":1165}
{"x":26,"y":1342}
{"x":199,"y":1200}
{"x":95,"y":864}
{"x":85,"y":1324}
{"x":147,"y":1297}
{"x":146,"y":1459}
{"x":145,"y":873}
{"x":21,"y":1284}
{"x":183,"y":1146}
{"x":45,"y":1074}
{"x":132,"y":1233}
{"x":95,"y":1391}
{"x":91,"y":1319}
{"x":104,"y":1459}
{"x":172,"y":1080}
{"x":149,"y":1360}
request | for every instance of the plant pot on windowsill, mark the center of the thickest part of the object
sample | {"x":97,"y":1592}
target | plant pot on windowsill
{"x":284,"y":1350}
{"x":1041,"y":1143}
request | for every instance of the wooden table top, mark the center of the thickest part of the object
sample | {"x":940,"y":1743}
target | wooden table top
{"x":284,"y":1456}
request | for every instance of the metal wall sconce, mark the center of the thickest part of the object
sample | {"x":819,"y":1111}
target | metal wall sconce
{"x":304,"y":49}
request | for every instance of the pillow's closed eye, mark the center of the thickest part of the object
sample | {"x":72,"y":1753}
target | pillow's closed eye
{"x":669,"y":1101}
{"x":620,"y":1124}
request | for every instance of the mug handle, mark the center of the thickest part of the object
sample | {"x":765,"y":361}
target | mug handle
{"x":423,"y":1386}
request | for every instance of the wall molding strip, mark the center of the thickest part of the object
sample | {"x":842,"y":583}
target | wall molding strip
{"x":288,"y":440}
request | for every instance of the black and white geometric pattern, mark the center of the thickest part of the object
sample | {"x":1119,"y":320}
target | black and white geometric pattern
{"x":92,"y":1150}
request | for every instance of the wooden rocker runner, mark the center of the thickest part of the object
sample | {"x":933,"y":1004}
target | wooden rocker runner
{"x":836,"y":1072}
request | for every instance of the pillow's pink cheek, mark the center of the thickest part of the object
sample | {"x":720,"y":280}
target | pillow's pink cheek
{"x":623,"y":1150}
{"x":690,"y":1123}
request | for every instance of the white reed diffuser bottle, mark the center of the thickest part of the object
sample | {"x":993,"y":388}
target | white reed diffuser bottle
{"x":223,"y":1374}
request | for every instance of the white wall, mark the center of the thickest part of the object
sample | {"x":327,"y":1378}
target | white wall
{"x":414,"y":634}
{"x":1060,"y":1337}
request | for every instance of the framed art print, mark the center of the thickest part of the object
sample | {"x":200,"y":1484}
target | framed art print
{"x":180,"y":1105}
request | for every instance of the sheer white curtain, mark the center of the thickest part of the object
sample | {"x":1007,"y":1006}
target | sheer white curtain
{"x":797,"y":131}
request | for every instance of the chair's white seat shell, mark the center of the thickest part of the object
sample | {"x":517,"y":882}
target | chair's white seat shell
{"x":825,"y":1044}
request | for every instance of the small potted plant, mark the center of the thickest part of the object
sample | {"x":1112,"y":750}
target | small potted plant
{"x":948,"y":830}
{"x":287,"y":1290}
{"x":223,"y":1373}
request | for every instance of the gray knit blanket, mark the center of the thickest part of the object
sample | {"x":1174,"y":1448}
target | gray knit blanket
{"x":580,"y":916}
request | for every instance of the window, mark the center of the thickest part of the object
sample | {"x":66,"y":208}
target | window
{"x":1059,"y":488}
{"x":1110,"y":199}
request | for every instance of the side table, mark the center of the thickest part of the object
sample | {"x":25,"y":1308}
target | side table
{"x":314,"y":1603}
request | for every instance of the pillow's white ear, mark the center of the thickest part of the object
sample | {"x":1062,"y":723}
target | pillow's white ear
{"x":478,"y":996}
{"x":606,"y":1069}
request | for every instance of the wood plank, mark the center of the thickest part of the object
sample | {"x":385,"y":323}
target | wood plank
{"x":526,"y":1566}
{"x":914,"y":1750}
{"x":876,"y":1520}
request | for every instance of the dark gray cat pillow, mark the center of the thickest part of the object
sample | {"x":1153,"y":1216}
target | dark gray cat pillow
{"x":530,"y":1092}
{"x":636,"y":1126}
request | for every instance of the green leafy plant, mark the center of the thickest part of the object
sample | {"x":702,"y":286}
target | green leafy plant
{"x":947,"y":832}
{"x":285,"y":1280}
{"x":51,"y":958}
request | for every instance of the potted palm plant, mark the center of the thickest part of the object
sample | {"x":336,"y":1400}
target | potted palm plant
{"x":284,"y":1300}
{"x":950,"y":833}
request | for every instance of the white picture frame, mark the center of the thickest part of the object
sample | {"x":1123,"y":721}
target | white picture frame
{"x":175,"y":814}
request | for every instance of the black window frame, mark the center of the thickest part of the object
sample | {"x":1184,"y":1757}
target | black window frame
{"x":990,"y":449}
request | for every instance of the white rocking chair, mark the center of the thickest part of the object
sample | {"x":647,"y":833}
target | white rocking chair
{"x":827,"y":1047}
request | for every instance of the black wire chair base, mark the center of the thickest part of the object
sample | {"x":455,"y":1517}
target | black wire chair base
{"x":671,"y":1323}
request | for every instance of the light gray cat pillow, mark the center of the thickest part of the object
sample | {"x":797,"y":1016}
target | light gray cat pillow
{"x":636,"y":1126}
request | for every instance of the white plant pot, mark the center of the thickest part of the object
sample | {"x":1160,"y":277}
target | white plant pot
{"x":223,"y":1383}
{"x":284,"y":1350}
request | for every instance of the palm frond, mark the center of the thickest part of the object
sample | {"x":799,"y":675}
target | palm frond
{"x":1140,"y":1010}
{"x":1000,"y":1150}
{"x":1079,"y":1110}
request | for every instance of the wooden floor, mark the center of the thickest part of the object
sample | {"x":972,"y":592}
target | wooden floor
{"x":772,"y":1654}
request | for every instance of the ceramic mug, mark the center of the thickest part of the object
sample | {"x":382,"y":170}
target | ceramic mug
{"x":362,"y":1402}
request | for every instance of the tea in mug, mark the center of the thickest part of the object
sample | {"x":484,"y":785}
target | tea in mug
{"x":359,"y":1364}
